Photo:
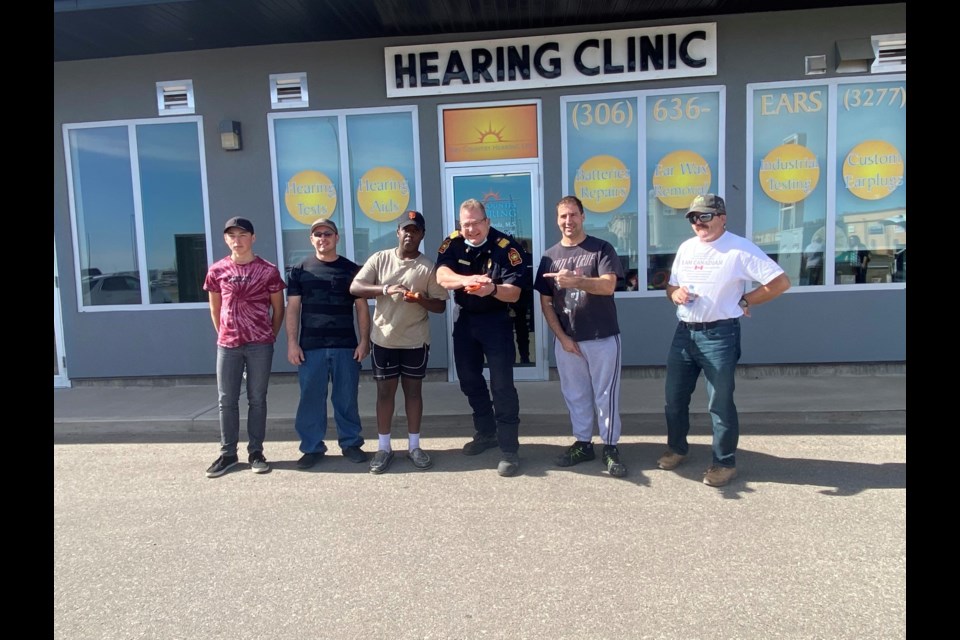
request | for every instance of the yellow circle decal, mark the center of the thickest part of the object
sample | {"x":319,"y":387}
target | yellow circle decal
{"x":789,"y":173}
{"x":679,"y":177}
{"x":873,"y":169}
{"x":602,"y":183}
{"x":310,"y":195}
{"x":383,"y":194}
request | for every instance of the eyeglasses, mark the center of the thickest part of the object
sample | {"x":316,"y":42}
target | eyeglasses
{"x":323,"y":234}
{"x":701,"y":217}
{"x":472,"y":224}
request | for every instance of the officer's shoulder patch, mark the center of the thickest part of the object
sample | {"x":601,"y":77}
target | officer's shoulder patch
{"x":514,"y":257}
{"x":503,"y":242}
{"x":455,"y":234}
{"x":444,"y":245}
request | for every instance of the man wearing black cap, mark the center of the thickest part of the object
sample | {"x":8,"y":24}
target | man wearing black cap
{"x":707,"y":282}
{"x":243,"y":289}
{"x":322,"y":343}
{"x":403,"y":282}
{"x":487,"y":271}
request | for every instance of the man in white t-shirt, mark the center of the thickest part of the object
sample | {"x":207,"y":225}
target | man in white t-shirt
{"x":707,"y":283}
{"x":404,"y":283}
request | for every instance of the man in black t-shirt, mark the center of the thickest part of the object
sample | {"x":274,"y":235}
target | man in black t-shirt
{"x":322,"y":343}
{"x":576,"y":281}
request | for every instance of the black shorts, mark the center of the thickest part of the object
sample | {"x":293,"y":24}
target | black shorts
{"x":391,"y":363}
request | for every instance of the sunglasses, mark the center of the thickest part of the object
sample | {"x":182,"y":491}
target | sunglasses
{"x":323,"y":234}
{"x":701,"y":217}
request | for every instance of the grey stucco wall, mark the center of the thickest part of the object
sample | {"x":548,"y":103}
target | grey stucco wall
{"x":799,"y":327}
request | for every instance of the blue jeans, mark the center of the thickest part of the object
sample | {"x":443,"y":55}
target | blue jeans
{"x":257,"y":358}
{"x":320,"y":368}
{"x":716,"y":352}
{"x":476,"y":335}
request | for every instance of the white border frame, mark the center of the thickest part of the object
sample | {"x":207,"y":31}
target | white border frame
{"x":138,"y":210}
{"x":830,"y":214}
{"x":345,"y":178}
{"x":534,"y":166}
{"x":641,"y":185}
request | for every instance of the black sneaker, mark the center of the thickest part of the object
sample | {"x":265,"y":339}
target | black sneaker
{"x":307,"y":460}
{"x":355,"y":454}
{"x":611,"y":459}
{"x":578,"y":452}
{"x":220,"y":466}
{"x":258,"y":463}
{"x":480,"y":443}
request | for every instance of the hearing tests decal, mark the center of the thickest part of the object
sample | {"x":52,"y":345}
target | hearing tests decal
{"x":627,"y":55}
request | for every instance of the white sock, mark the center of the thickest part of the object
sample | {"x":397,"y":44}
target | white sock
{"x":384,"y":441}
{"x":414,"y":441}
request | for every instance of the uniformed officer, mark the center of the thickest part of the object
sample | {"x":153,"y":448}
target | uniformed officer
{"x":487,"y":271}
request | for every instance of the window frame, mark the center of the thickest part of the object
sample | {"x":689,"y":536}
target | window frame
{"x":642,"y":184}
{"x":832,"y":156}
{"x":346,"y":193}
{"x":142,"y":267}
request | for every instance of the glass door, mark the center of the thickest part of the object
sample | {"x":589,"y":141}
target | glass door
{"x":60,"y":378}
{"x":511,"y":195}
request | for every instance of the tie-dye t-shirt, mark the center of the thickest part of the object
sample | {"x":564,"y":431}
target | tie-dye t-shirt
{"x":245,"y":291}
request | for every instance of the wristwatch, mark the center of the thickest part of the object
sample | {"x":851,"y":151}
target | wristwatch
{"x":743,"y":302}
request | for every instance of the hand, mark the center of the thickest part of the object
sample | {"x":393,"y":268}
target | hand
{"x":412,"y":296}
{"x":482,"y":290}
{"x":395,"y":288}
{"x":362,"y":350}
{"x":564,"y":278}
{"x":682,"y":296}
{"x":570,"y":345}
{"x":295,"y":355}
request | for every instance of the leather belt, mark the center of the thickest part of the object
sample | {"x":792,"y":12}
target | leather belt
{"x":703,"y":326}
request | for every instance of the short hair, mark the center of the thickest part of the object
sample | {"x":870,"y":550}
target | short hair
{"x":574,"y":200}
{"x":474,"y":205}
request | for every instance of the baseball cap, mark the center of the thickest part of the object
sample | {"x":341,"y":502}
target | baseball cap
{"x":237,"y":221}
{"x":709,"y":203}
{"x":412,"y":217}
{"x":325,"y":222}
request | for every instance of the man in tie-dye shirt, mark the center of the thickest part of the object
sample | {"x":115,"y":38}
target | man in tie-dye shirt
{"x":246,"y":306}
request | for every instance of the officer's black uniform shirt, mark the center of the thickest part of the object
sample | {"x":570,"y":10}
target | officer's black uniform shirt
{"x":500,"y":257}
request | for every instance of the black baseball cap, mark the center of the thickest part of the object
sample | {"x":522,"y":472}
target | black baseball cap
{"x":239,"y":222}
{"x":412,"y":217}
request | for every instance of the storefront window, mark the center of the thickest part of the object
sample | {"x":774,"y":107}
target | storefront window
{"x":141,"y":246}
{"x":359,"y":168}
{"x":871,"y":183}
{"x":845,"y":225}
{"x":648,"y":154}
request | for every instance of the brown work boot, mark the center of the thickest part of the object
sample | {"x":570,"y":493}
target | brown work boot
{"x":719,"y":476}
{"x":670,"y":460}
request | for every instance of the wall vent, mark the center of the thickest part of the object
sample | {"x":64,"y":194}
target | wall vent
{"x":891,"y":53}
{"x":289,"y":91}
{"x":175,"y":98}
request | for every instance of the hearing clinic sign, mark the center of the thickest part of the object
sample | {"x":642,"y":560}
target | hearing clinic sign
{"x":627,"y":55}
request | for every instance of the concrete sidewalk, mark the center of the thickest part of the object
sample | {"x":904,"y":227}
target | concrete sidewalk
{"x":118,"y":411}
{"x":809,"y":541}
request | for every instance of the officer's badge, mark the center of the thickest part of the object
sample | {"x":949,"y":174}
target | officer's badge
{"x":503,"y":242}
{"x":444,"y":245}
{"x":455,"y":234}
{"x":514,"y":257}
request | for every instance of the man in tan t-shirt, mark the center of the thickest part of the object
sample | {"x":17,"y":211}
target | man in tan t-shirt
{"x":405,"y":287}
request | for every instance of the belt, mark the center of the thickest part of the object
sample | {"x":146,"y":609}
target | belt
{"x":703,"y":326}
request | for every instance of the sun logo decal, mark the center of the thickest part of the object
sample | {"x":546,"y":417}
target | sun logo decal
{"x":496,"y":134}
{"x":490,"y":196}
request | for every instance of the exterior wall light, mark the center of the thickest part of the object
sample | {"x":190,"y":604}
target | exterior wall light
{"x":230,"y":135}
